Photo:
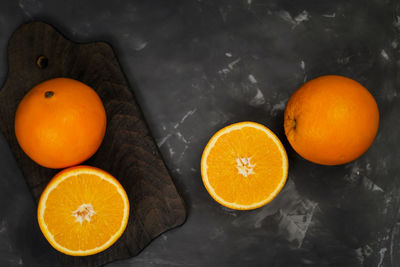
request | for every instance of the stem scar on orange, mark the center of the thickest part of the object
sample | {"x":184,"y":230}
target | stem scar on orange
{"x":83,"y":211}
{"x":331,"y":120}
{"x":244,"y":166}
{"x":60,"y":123}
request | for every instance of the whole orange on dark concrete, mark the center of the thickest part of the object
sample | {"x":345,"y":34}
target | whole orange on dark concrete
{"x":60,"y":122}
{"x":331,"y":120}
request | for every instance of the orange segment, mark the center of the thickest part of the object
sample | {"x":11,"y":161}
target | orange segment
{"x":83,"y":211}
{"x":244,"y":166}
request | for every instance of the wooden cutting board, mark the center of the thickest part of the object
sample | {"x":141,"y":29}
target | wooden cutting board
{"x":37,"y":52}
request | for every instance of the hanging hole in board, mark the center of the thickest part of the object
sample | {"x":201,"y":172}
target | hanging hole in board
{"x":42,"y":62}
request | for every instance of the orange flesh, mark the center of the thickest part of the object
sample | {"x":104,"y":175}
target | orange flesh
{"x":58,"y":215}
{"x":245,"y":167}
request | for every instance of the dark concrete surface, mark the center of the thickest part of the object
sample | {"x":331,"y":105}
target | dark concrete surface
{"x":196,"y":66}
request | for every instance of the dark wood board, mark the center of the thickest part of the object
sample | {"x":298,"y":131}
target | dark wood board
{"x":128,"y":151}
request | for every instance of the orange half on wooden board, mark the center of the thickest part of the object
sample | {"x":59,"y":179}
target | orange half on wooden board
{"x":244,"y":166}
{"x":83,"y":211}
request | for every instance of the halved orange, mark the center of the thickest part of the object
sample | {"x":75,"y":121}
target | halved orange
{"x":244,"y":166}
{"x":83,"y":211}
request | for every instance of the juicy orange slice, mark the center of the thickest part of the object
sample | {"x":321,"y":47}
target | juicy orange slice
{"x":83,"y":211}
{"x":244,"y":166}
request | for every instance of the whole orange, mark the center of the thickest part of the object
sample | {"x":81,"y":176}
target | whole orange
{"x":60,"y":122}
{"x":331,"y":120}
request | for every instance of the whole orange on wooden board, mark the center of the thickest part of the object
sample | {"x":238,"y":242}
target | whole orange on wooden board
{"x":244,"y":166}
{"x":60,"y":123}
{"x":331,"y":120}
{"x":83,"y":211}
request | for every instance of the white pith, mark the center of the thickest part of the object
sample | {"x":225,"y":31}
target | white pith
{"x":245,"y":166}
{"x":83,"y":213}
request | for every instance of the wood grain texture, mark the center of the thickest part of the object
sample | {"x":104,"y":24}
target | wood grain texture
{"x":128,"y":151}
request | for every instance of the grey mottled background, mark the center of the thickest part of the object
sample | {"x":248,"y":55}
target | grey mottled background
{"x":196,"y":66}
